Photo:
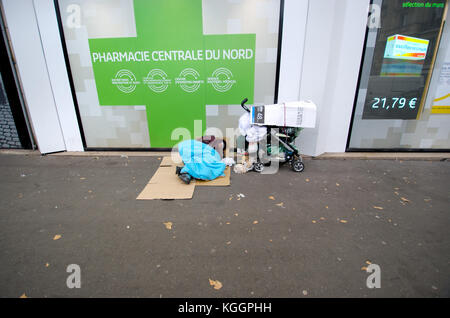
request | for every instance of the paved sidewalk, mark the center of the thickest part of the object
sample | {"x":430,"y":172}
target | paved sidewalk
{"x":313,"y":240}
{"x":426,"y":156}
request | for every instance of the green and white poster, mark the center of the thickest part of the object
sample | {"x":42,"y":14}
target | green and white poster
{"x":172,"y":68}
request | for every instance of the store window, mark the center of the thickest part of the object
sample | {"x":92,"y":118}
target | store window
{"x":143,"y":68}
{"x":404,"y":82}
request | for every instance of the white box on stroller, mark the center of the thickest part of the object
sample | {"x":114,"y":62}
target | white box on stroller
{"x":291,"y":114}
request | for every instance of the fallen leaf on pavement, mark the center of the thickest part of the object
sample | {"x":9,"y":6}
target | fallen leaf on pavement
{"x":56,"y":237}
{"x":343,"y":221}
{"x":271,"y":197}
{"x":47,"y":264}
{"x":307,"y":180}
{"x":378,"y":207}
{"x":314,"y":221}
{"x":255,"y":222}
{"x":281,"y":204}
{"x":404,"y":199}
{"x":217,"y":285}
{"x":168,"y":225}
{"x":23,"y":296}
{"x":337,"y":184}
{"x":427,"y":200}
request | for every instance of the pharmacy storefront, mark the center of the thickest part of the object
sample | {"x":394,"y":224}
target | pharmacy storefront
{"x":142,"y":69}
{"x":144,"y":74}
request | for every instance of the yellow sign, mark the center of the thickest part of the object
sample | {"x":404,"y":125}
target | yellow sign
{"x":441,"y":109}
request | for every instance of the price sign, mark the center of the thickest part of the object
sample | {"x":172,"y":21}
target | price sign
{"x":393,"y":98}
{"x":394,"y":103}
{"x":394,"y":107}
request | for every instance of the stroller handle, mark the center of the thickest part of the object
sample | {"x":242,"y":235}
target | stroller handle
{"x":244,"y":106}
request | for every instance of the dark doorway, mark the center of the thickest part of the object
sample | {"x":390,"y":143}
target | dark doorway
{"x":14,"y":132}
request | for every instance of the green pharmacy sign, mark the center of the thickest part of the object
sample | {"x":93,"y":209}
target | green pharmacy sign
{"x":172,"y":68}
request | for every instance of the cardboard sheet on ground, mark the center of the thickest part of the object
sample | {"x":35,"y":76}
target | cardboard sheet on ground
{"x":218,"y":182}
{"x":169,"y":161}
{"x":165,"y":184}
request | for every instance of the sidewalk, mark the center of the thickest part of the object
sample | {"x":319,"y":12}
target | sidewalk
{"x":427,"y":156}
{"x":313,"y":239}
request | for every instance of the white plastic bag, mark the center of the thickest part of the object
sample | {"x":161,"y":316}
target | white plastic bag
{"x":253,"y":133}
{"x":228,"y":161}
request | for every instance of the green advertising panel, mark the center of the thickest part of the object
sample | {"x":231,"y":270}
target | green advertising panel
{"x":172,"y":68}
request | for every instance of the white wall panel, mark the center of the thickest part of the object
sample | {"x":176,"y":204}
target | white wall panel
{"x":294,"y":30}
{"x":51,"y":43}
{"x":32,"y":68}
{"x":333,"y":47}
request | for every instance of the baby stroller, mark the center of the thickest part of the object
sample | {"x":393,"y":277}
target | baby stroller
{"x":284,"y":152}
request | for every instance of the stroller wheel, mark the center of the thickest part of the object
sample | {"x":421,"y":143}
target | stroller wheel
{"x":298,"y":166}
{"x":258,"y":167}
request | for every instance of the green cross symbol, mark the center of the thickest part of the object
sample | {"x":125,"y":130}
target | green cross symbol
{"x":172,"y":68}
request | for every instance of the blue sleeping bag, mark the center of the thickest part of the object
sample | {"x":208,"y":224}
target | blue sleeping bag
{"x":200,"y":160}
